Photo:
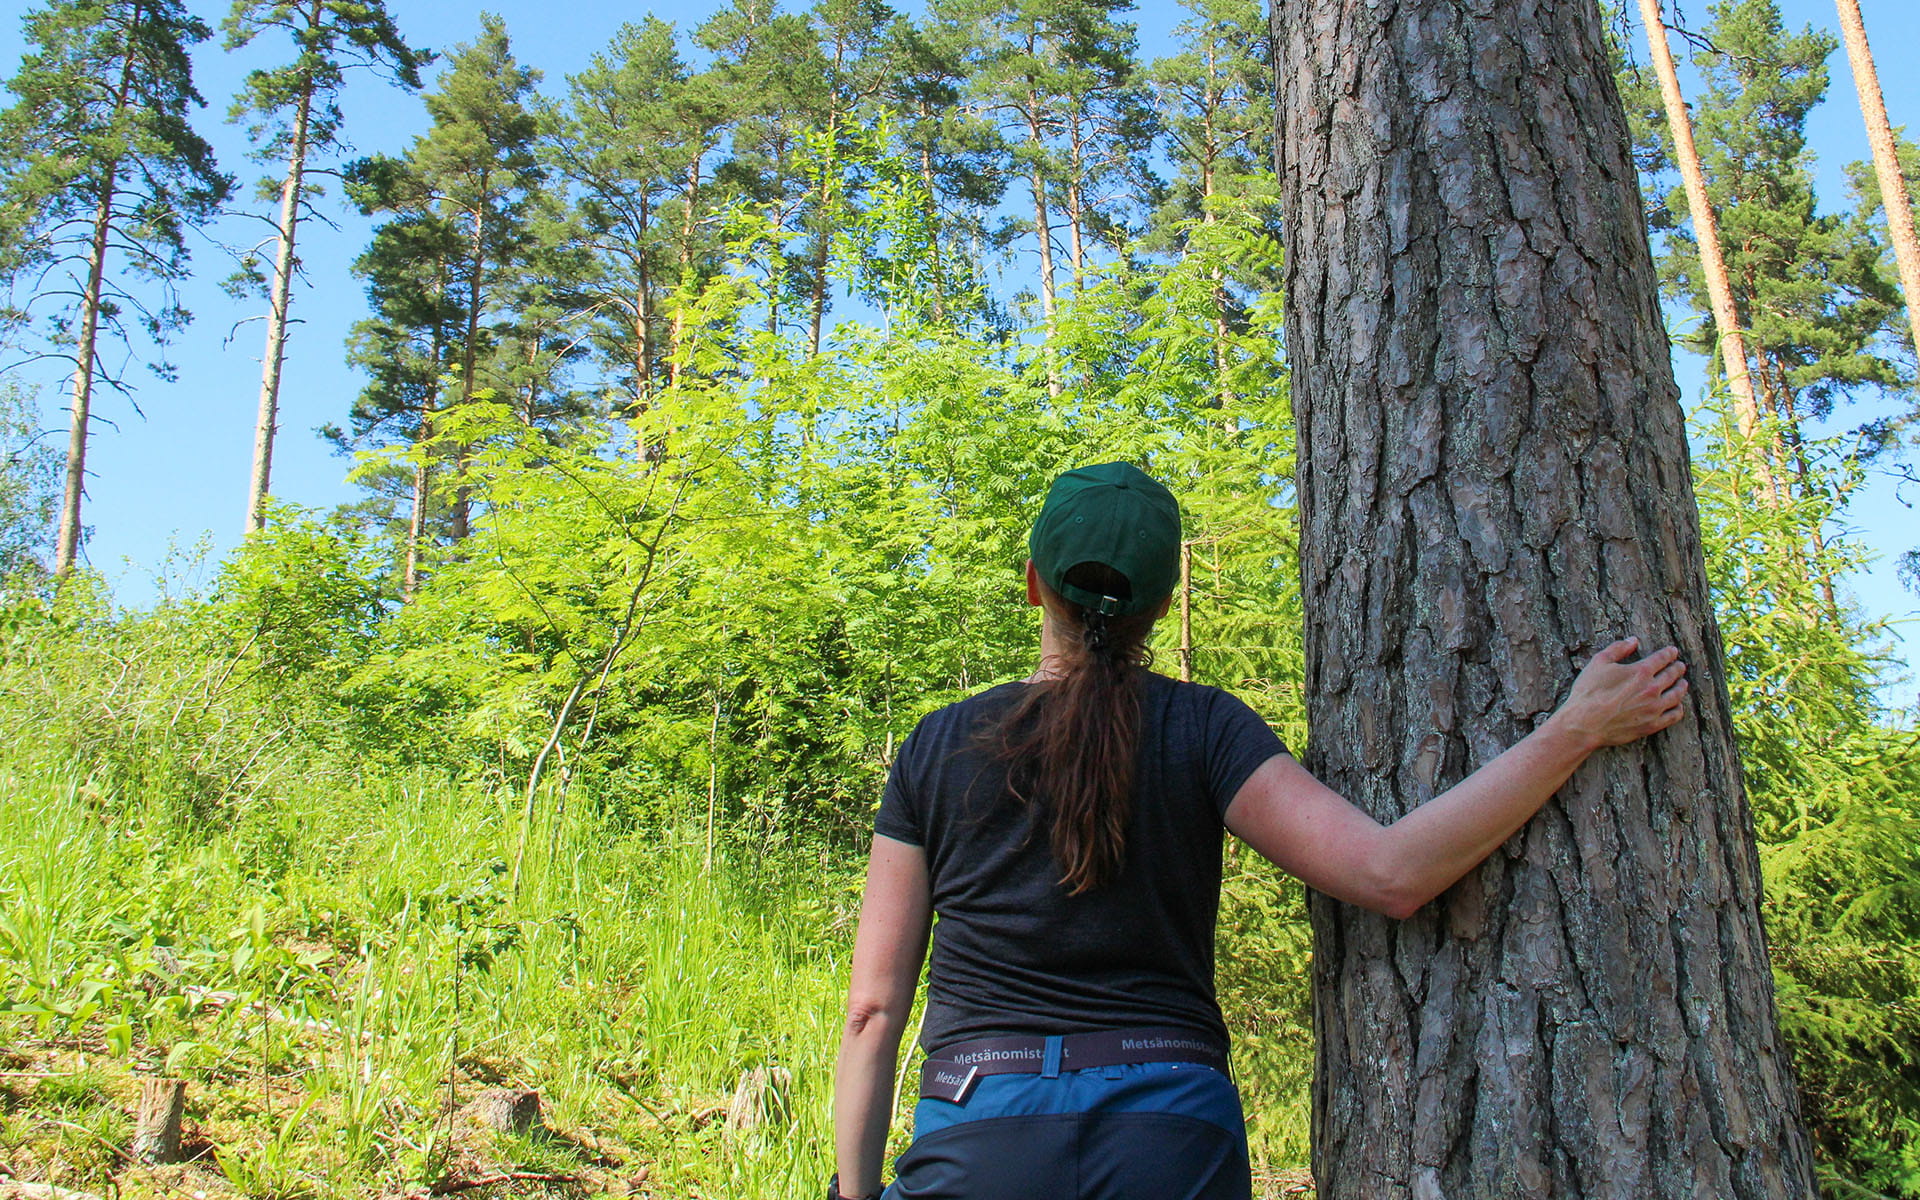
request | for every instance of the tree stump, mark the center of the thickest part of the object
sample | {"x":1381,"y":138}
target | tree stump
{"x":506,"y":1110}
{"x":761,"y":1096}
{"x":156,"y":1128}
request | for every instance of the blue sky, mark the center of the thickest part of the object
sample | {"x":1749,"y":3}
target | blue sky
{"x":179,"y":476}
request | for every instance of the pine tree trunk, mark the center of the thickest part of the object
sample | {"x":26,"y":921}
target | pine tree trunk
{"x":469,"y":362}
{"x":1713,"y":265}
{"x":423,"y":469}
{"x":67,"y":543}
{"x":1493,"y":483}
{"x":417,"y":519}
{"x":1043,"y":232}
{"x":643,"y":319}
{"x":1217,"y":297}
{"x":1076,"y":205}
{"x":939,"y":306}
{"x":266,"y":423}
{"x":66,"y":546}
{"x":677,"y":334}
{"x":1886,"y":161}
{"x":822,"y":242}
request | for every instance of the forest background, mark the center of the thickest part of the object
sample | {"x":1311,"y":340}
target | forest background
{"x":699,"y":392}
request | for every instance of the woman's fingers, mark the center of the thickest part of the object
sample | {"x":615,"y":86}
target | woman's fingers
{"x":1620,"y":701}
{"x":1618,"y":651}
{"x":1668,"y":675}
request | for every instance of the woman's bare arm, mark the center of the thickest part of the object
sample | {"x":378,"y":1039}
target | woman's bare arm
{"x":1313,"y":833}
{"x":895,"y":917}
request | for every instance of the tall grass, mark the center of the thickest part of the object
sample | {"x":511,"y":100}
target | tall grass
{"x":329,"y":967}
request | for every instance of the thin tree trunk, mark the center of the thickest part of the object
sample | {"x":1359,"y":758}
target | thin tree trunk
{"x":1217,"y":297}
{"x":67,"y":540}
{"x":423,"y":470}
{"x":1886,"y":161}
{"x":1043,"y":233}
{"x":469,"y":361}
{"x":823,"y":236}
{"x":67,"y":545}
{"x":533,"y":777}
{"x":417,"y":520}
{"x":1186,"y":612}
{"x":713,"y":777}
{"x":933,"y":224}
{"x":266,"y":424}
{"x":1791,"y":452}
{"x":1713,"y":265}
{"x":1493,"y":484}
{"x":1076,"y":205}
{"x":679,"y":331}
{"x":531,"y":408}
{"x":643,"y":318}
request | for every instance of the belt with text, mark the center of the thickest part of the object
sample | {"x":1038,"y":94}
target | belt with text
{"x":951,"y":1071}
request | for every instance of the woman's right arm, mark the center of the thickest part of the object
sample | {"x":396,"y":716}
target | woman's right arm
{"x":1316,"y":835}
{"x":888,"y":950}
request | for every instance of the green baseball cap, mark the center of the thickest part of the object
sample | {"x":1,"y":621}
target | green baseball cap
{"x":1118,"y":516}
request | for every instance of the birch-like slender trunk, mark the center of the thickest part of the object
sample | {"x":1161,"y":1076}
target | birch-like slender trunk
{"x":822,"y":242}
{"x":67,"y":542}
{"x":938,"y":260}
{"x":678,"y":333}
{"x":643,"y":317}
{"x":1886,"y":161}
{"x":1043,"y":234}
{"x":266,"y":423}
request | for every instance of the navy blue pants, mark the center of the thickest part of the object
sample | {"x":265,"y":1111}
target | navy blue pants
{"x":1149,"y":1131}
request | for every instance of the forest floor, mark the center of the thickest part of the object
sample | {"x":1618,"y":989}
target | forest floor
{"x":69,"y":1111}
{"x":338,"y":977}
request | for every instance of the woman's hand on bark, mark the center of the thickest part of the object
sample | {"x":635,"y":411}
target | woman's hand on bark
{"x":1615,"y":701}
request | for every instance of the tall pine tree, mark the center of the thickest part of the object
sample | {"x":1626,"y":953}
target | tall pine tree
{"x":99,"y":164}
{"x":632,"y":140}
{"x":1810,"y":286}
{"x":295,"y":114}
{"x":463,"y":197}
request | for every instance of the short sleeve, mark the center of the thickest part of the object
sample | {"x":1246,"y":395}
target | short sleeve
{"x":1237,"y":741}
{"x":899,"y":815}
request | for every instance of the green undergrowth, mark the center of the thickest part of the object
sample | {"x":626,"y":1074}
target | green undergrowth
{"x":327,"y":971}
{"x":338,"y":973}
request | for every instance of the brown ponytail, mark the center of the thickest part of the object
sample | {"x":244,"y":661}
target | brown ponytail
{"x":1070,"y":741}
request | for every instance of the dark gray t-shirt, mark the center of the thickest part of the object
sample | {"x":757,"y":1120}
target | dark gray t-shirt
{"x":1013,"y":953}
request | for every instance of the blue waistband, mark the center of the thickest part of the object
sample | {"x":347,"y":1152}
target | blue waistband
{"x":1188,"y":1089}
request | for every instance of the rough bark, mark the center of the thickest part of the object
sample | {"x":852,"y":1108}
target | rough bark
{"x":1706,"y":232}
{"x":1886,"y":161}
{"x":1493,"y":483}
